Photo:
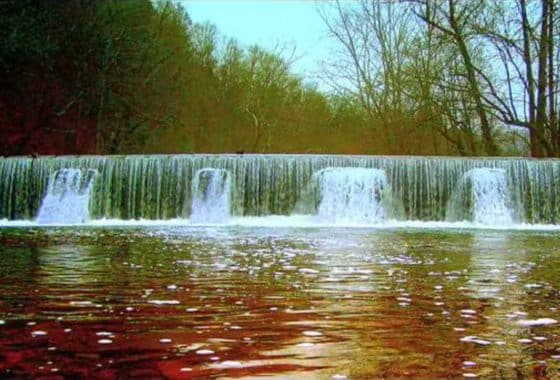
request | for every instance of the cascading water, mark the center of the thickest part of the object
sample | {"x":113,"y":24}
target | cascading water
{"x":482,"y":196}
{"x":67,"y":198}
{"x":160,"y":187}
{"x":211,"y":191}
{"x":350,"y":195}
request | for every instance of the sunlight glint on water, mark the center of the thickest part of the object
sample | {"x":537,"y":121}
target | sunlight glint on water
{"x":280,"y":303}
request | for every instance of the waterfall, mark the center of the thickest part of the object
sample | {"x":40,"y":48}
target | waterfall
{"x":482,"y":196}
{"x":160,"y":187}
{"x":352,"y":195}
{"x":211,"y":191}
{"x":67,"y":198}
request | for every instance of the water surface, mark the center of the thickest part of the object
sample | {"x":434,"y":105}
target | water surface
{"x":244,"y":301}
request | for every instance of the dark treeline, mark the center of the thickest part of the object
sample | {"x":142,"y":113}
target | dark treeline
{"x":110,"y":76}
{"x":136,"y":76}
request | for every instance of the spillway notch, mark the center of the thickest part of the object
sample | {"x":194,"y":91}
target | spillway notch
{"x":211,"y":196}
{"x":67,"y":197}
{"x":482,"y":196}
{"x":348,"y":195}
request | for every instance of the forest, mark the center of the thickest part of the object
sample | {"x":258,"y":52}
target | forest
{"x":410,"y":77}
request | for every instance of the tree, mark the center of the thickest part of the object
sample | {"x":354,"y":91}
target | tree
{"x":524,"y":94}
{"x":389,"y":64}
{"x":454,"y":21}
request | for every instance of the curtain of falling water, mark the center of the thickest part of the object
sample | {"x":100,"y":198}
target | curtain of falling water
{"x":159,"y":186}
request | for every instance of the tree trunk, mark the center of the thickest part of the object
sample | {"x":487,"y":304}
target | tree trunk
{"x":551,"y":96}
{"x":540,"y":121}
{"x":533,"y":135}
{"x":488,"y":141}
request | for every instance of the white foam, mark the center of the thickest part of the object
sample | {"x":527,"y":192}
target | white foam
{"x":351,"y":194}
{"x":489,"y":193}
{"x":67,"y":197}
{"x":293,"y":221}
{"x":211,"y":190}
{"x":536,"y":322}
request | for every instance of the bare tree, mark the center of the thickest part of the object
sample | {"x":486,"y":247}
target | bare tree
{"x":375,"y":63}
{"x":522,"y":38}
{"x":452,"y":20}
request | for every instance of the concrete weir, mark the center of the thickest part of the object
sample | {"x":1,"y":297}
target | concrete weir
{"x":368,"y":188}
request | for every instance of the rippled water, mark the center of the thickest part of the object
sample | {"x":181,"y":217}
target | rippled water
{"x":234,"y":302}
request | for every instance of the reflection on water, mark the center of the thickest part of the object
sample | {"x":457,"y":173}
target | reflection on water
{"x":288,"y":303}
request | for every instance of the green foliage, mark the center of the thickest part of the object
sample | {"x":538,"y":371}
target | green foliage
{"x":135,"y":76}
